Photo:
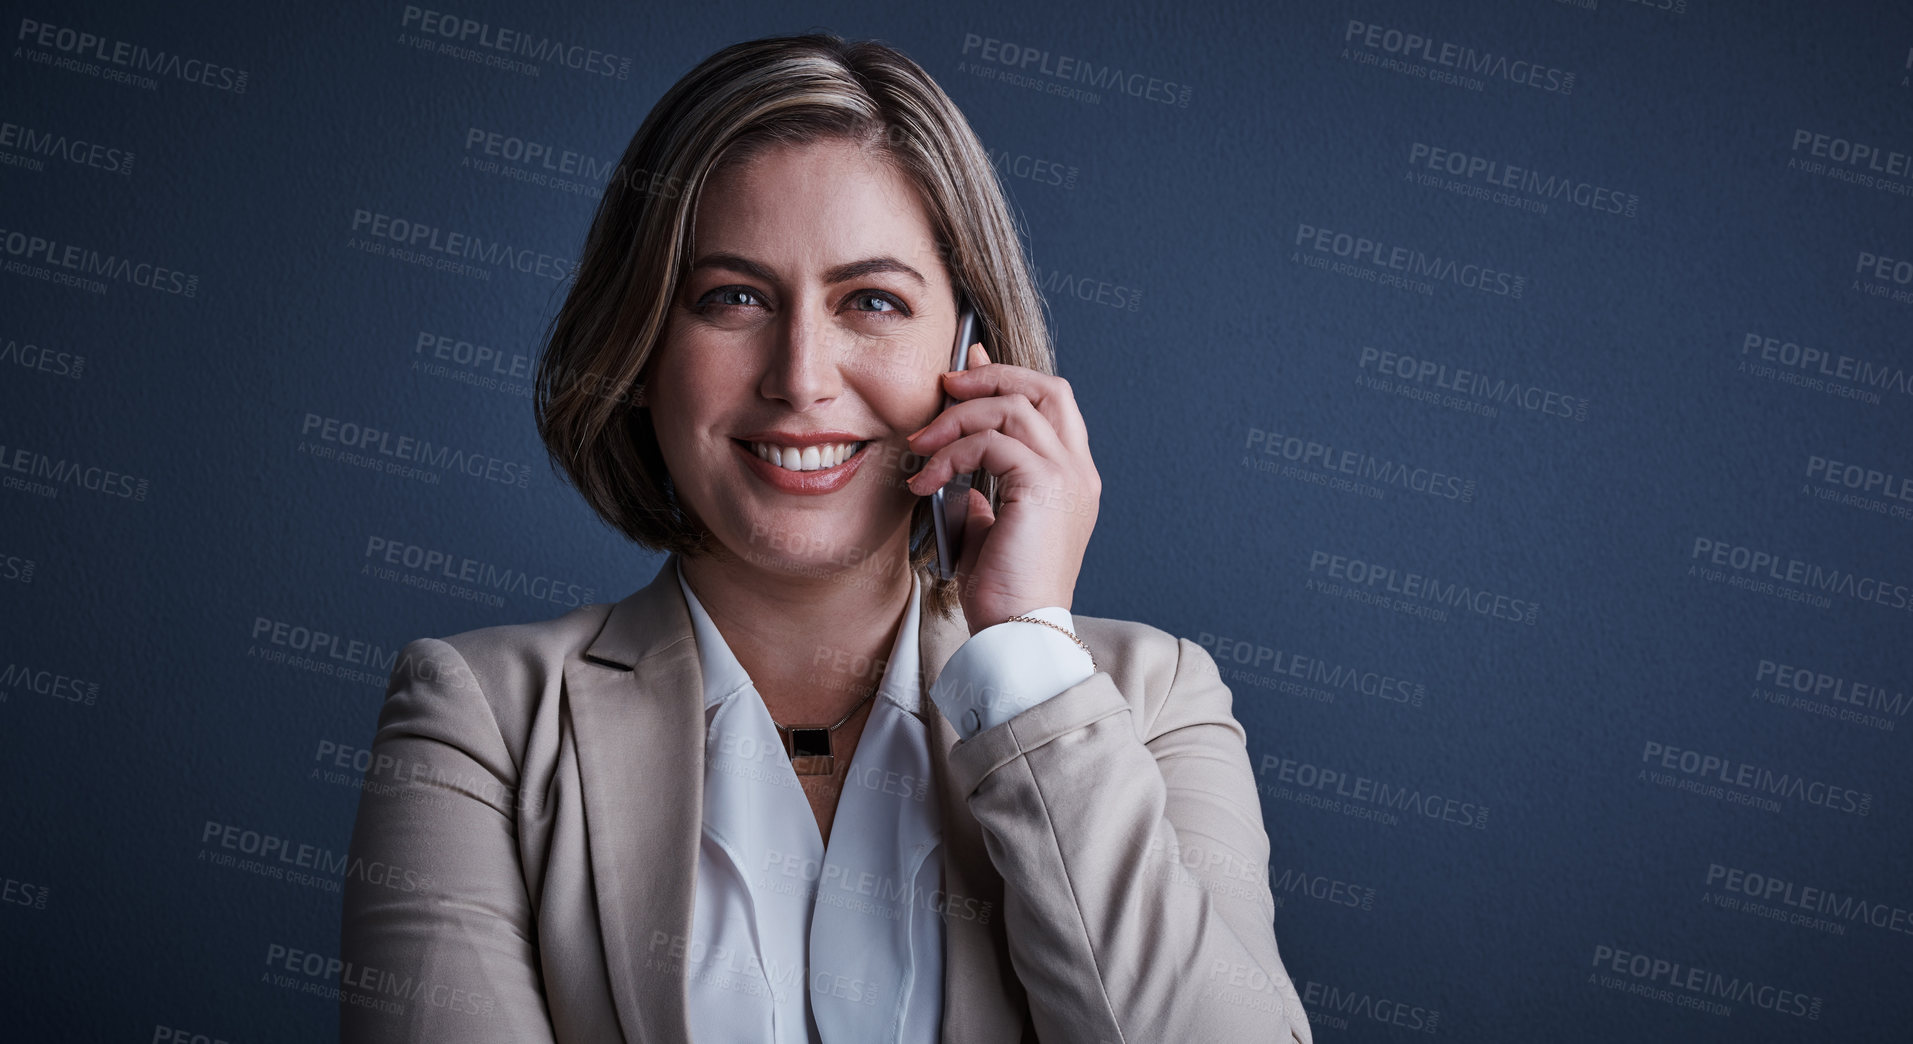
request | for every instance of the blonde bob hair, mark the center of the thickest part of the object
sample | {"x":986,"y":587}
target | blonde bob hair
{"x":750,"y":96}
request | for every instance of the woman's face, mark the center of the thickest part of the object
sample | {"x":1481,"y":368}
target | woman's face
{"x":817,"y":313}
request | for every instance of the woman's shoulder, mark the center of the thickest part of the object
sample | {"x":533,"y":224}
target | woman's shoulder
{"x":506,"y":659}
{"x":487,"y":685}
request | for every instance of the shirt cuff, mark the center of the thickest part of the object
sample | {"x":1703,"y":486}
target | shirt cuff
{"x":1007,"y":668}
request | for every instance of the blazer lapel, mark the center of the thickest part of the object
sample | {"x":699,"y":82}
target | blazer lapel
{"x":982,"y":998}
{"x":636,"y":704}
{"x":636,"y":700}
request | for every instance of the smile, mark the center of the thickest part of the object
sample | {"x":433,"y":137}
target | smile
{"x":806,"y":470}
{"x":807,"y":458}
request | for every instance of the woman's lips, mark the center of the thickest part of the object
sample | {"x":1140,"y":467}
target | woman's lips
{"x":802,"y":483}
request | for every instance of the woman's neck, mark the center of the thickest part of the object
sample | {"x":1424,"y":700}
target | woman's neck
{"x":813,"y":645}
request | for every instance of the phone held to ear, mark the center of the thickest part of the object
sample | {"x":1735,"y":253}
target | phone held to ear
{"x":950,"y":503}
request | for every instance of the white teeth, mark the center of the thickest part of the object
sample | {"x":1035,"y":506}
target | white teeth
{"x":809,"y":458}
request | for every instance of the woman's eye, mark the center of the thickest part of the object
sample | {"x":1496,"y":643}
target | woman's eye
{"x":888,"y":303}
{"x":724,"y":296}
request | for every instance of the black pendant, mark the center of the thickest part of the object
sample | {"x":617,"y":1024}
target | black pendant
{"x":809,"y":750}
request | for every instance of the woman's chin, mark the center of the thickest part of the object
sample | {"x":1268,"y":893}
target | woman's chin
{"x":811,"y":547}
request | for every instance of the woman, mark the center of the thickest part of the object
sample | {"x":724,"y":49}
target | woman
{"x":1022,"y":825}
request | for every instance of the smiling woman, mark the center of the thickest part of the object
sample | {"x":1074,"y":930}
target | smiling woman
{"x":799,"y":788}
{"x":856,"y":343}
{"x":924,"y":185}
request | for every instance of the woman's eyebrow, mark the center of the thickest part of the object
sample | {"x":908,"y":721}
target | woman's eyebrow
{"x":856,"y":269}
{"x":840,"y":274}
{"x":735,"y":263}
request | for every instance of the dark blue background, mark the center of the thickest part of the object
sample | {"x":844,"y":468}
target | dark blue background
{"x":115,"y":928}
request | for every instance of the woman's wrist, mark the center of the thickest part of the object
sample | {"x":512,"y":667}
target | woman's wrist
{"x":1005,"y":669}
{"x":1024,"y":618}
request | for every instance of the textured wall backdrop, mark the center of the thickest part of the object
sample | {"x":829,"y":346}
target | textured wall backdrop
{"x":1514,"y":398}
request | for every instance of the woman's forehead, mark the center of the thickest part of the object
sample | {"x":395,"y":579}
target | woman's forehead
{"x":820,"y":204}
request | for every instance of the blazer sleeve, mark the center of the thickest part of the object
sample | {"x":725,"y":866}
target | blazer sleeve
{"x":1134,"y":863}
{"x":452,"y":958}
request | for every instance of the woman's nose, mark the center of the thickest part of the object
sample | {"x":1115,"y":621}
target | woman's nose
{"x":802,"y":367}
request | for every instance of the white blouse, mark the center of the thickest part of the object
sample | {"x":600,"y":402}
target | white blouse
{"x":793,"y":942}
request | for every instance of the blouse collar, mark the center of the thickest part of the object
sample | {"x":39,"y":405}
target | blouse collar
{"x":724,"y":676}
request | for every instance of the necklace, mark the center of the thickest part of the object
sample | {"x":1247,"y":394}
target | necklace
{"x":809,"y":745}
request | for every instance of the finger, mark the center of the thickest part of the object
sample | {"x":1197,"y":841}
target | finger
{"x":1052,"y":395}
{"x":993,"y":451}
{"x":1012,"y":414}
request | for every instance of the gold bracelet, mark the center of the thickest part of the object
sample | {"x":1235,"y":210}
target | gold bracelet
{"x":1065,"y":630}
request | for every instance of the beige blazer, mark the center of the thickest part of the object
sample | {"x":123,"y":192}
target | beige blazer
{"x":531,"y":819}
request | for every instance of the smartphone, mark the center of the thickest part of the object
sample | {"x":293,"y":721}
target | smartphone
{"x":950,"y":504}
